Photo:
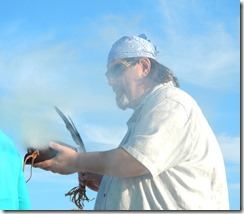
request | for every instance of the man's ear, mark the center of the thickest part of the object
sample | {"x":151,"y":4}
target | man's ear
{"x":146,"y":65}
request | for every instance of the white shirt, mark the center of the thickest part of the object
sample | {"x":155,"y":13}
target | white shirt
{"x":169,"y":135}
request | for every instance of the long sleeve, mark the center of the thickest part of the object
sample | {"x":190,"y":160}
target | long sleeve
{"x":13,"y":190}
{"x":23,"y":195}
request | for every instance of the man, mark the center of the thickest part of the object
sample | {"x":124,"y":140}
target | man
{"x":169,"y":157}
{"x":13,"y":190}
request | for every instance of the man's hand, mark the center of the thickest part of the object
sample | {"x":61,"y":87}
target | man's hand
{"x":64,"y":162}
{"x":90,"y":180}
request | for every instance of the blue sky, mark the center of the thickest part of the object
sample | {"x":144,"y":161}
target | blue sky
{"x":53,"y":52}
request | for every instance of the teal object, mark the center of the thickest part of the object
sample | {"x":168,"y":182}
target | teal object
{"x":13,"y":190}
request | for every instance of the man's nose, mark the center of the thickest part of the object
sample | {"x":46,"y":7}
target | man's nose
{"x":112,"y":81}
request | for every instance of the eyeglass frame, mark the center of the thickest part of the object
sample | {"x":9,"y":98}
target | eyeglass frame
{"x":127,"y":63}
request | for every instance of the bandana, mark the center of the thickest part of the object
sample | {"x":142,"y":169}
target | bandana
{"x":132,"y":46}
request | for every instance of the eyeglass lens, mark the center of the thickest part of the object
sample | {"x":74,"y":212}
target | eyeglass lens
{"x":116,"y":70}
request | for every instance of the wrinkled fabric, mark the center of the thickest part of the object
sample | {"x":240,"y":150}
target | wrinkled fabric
{"x":169,"y":135}
{"x":13,"y":190}
{"x":132,"y":46}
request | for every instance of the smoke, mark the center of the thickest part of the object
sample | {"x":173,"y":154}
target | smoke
{"x":33,"y":79}
{"x":34,"y":123}
{"x":37,"y":131}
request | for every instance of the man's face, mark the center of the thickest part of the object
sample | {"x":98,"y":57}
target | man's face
{"x":122,"y":77}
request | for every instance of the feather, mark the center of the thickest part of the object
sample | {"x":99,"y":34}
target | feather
{"x":72,"y":129}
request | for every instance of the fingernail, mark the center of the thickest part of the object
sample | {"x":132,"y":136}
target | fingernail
{"x":51,"y":144}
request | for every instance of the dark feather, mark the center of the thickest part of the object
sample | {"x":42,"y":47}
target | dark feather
{"x":72,"y":129}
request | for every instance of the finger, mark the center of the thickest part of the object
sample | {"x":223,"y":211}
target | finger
{"x":92,"y":186}
{"x":43,"y":165}
{"x":81,"y":180}
{"x":89,"y":176}
{"x":38,"y":165}
{"x":81,"y":183}
{"x":81,"y":174}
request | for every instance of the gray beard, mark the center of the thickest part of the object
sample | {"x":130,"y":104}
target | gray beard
{"x":122,"y":102}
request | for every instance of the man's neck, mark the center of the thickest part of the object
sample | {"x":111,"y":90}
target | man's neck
{"x":144,"y":92}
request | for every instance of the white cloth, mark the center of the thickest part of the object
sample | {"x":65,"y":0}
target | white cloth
{"x":169,"y":135}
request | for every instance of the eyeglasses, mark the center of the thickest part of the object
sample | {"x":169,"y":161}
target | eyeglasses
{"x":115,"y":71}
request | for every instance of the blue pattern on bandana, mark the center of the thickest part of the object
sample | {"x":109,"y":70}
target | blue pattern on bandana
{"x":132,"y":46}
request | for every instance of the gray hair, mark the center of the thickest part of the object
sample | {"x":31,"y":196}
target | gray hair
{"x":159,"y":73}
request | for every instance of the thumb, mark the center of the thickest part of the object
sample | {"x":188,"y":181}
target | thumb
{"x":56,"y":146}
